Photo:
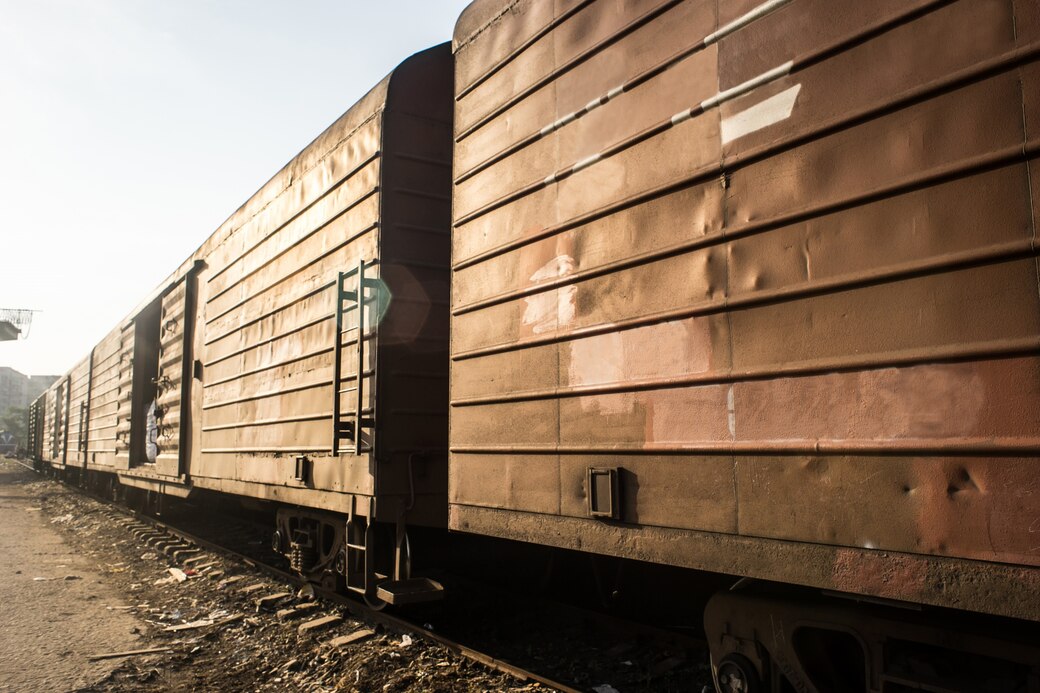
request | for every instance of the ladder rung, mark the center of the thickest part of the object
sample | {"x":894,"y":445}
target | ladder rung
{"x":349,"y":425}
{"x":353,"y":376}
{"x":349,"y":417}
{"x":356,"y":547}
{"x":354,"y":588}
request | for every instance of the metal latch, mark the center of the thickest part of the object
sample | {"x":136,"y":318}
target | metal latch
{"x":603,"y":492}
{"x":303,"y":469}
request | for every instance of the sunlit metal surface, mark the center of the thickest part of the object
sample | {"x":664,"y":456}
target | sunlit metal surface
{"x":773,"y":262}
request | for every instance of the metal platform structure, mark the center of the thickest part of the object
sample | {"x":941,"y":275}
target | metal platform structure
{"x":14,"y":323}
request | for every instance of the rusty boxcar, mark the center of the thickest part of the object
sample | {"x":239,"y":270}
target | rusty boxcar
{"x":300,"y":355}
{"x":751,"y":287}
{"x":742,"y":286}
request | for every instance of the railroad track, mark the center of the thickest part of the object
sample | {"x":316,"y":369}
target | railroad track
{"x":188,"y":547}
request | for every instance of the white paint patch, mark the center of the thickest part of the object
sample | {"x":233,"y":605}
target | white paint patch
{"x":599,"y":361}
{"x":731,"y":410}
{"x":773,"y":110}
{"x":750,"y":85}
{"x":552,"y":309}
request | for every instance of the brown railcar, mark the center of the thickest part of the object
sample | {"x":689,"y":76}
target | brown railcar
{"x":747,"y":287}
{"x":300,"y":355}
{"x":751,"y":287}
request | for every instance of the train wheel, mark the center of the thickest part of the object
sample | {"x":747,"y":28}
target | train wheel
{"x":736,"y":674}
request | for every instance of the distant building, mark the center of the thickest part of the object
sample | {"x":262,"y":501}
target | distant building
{"x":18,"y":390}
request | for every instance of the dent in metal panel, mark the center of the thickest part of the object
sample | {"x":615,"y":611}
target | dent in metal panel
{"x":982,"y":216}
{"x":967,"y":507}
{"x":939,"y":132}
{"x":620,"y":360}
{"x":692,"y":279}
{"x":679,"y":151}
{"x":687,"y":216}
{"x":978,"y":306}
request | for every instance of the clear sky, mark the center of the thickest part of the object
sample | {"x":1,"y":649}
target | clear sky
{"x":130,"y":129}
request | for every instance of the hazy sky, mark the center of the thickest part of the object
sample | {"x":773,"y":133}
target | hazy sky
{"x":130,"y":129}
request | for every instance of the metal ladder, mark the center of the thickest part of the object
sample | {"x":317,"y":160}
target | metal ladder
{"x":348,"y":426}
{"x":359,"y":566}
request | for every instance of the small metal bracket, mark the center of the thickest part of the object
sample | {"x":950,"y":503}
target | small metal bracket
{"x":303,"y":469}
{"x":603,"y":493}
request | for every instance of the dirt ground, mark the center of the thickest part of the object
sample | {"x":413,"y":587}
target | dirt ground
{"x":120,"y":595}
{"x":54,"y":599}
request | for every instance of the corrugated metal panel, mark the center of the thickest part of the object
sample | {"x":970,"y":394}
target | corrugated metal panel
{"x":124,"y":397}
{"x":375,"y":187}
{"x":269,"y":308}
{"x":104,"y":402}
{"x":774,"y":260}
{"x":76,"y":444}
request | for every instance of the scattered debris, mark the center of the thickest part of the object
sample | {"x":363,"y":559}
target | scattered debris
{"x":130,"y":653}
{"x":209,"y":639}
{"x":203,"y":623}
{"x":178,"y":574}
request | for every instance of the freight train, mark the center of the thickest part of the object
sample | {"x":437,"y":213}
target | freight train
{"x":740,"y":286}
